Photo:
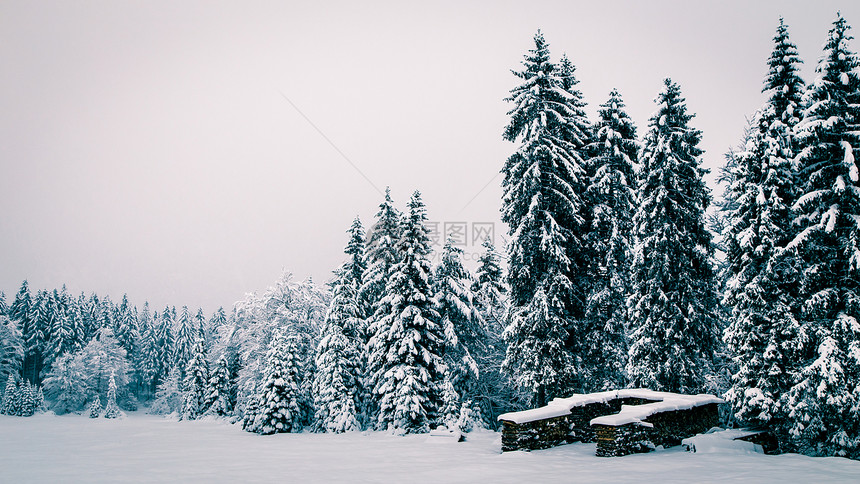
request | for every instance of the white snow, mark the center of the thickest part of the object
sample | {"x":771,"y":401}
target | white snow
{"x":722,"y":441}
{"x":663,"y":401}
{"x":145,"y":448}
{"x":848,"y":160}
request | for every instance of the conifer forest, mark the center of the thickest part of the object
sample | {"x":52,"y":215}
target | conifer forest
{"x":620,"y":268}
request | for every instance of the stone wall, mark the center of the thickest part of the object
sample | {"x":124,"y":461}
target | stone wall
{"x":669,"y":428}
{"x":574,"y":427}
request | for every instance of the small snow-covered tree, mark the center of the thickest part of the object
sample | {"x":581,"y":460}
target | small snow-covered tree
{"x":28,"y":399}
{"x":338,"y":379}
{"x":219,"y":395}
{"x":11,"y":397}
{"x":168,"y":395}
{"x":674,"y":300}
{"x":111,"y":409}
{"x":279,"y":401}
{"x":196,"y":380}
{"x":95,"y":410}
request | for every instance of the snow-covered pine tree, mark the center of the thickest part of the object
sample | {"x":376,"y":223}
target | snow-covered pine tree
{"x":196,"y":381}
{"x":543,"y":185}
{"x":145,"y":355}
{"x":11,"y":348}
{"x":279,"y":402}
{"x":408,"y":340}
{"x":111,"y":409}
{"x":183,"y":341}
{"x":251,"y":417}
{"x":356,"y":262}
{"x":11,"y":397}
{"x":28,"y":399}
{"x":762,"y":280}
{"x":612,"y":199}
{"x":674,"y":300}
{"x":164,"y":344}
{"x":824,"y":415}
{"x":489,"y":285}
{"x":95,"y":410}
{"x":380,"y":255}
{"x":125,"y":326}
{"x":338,"y":389}
{"x":40,"y":399}
{"x":466,"y":331}
{"x":218,"y":397}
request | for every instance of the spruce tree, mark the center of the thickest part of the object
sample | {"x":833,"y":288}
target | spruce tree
{"x":380,"y":255}
{"x":408,"y":340}
{"x":196,"y":381}
{"x":762,"y":277}
{"x":280,"y":394}
{"x":356,"y":263}
{"x":218,"y":398}
{"x":125,"y":326}
{"x":111,"y":409}
{"x":674,"y":301}
{"x":183,"y":341}
{"x":466,"y":331}
{"x":612,"y":199}
{"x":825,"y":406}
{"x":338,"y":391}
{"x":543,"y":206}
{"x":95,"y":410}
{"x":11,"y":398}
{"x":28,"y":399}
{"x":165,"y":344}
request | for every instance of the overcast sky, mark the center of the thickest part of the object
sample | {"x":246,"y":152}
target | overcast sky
{"x":187,"y":152}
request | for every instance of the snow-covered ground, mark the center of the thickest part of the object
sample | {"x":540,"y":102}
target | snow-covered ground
{"x":144,"y":448}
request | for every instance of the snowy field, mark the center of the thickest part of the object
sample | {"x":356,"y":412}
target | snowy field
{"x":144,"y":448}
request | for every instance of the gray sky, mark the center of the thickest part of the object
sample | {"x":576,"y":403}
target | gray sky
{"x":146,"y":147}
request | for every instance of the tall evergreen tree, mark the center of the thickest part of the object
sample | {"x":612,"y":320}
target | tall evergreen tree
{"x":408,"y":340}
{"x":674,"y":300}
{"x":219,"y":399}
{"x":612,"y":199}
{"x":196,"y":382}
{"x":543,"y":207}
{"x":183,"y":341}
{"x":165,"y":344}
{"x":125,"y":326}
{"x":380,"y":255}
{"x":825,"y":404}
{"x":762,"y":279}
